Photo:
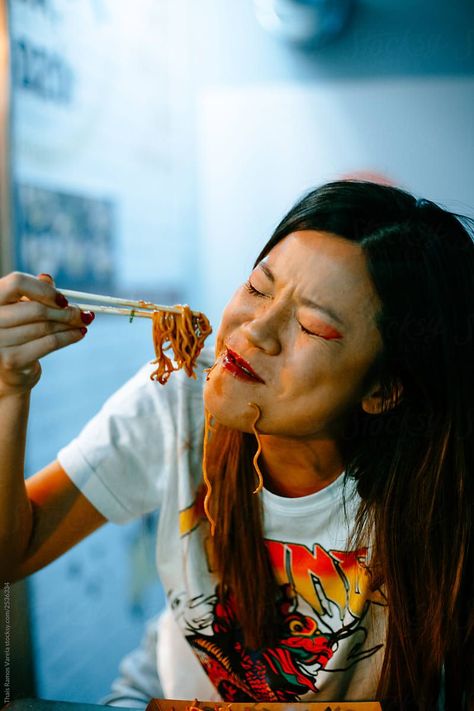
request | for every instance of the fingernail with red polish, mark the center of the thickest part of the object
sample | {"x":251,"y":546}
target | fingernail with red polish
{"x":62,"y":301}
{"x":46,"y":275}
{"x":87,"y":316}
{"x":83,"y":331}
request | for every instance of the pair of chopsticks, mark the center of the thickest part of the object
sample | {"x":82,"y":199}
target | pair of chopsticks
{"x":114,"y":305}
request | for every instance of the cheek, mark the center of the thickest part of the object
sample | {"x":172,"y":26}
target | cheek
{"x":317,"y":379}
{"x":304,"y":368}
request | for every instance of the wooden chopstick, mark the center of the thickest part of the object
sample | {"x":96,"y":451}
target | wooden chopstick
{"x":117,"y":305}
{"x":99,"y":308}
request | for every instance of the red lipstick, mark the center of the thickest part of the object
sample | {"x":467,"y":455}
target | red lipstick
{"x":239,"y":367}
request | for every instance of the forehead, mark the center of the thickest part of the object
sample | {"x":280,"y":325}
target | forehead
{"x":325,"y":267}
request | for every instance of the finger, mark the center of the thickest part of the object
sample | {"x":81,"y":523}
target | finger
{"x":16,"y":285}
{"x":19,"y":335}
{"x":24,"y":312}
{"x":46,"y":277}
{"x":18,"y":358}
{"x":42,"y":277}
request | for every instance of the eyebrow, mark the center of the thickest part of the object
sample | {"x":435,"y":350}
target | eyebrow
{"x":305,"y":301}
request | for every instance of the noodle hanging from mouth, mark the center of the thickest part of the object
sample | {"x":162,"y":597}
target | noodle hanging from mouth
{"x":207,"y":481}
{"x":259,"y":449}
{"x":185,"y":334}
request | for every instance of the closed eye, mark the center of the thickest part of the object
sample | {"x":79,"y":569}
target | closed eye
{"x":305,"y":330}
{"x":252,"y":290}
{"x":328,"y":333}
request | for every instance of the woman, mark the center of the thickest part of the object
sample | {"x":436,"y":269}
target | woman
{"x":349,"y":354}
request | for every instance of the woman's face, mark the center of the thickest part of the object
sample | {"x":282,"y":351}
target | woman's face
{"x":297,"y":340}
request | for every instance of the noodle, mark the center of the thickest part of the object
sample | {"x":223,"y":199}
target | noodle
{"x":259,"y":449}
{"x":207,"y":481}
{"x":208,"y":371}
{"x":185,"y":334}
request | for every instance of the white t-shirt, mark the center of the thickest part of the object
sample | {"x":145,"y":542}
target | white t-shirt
{"x":143,"y":452}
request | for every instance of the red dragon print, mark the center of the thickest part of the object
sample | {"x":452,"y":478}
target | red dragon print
{"x":279,"y":673}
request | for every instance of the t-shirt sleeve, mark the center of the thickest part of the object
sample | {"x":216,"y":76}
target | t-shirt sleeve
{"x":122,"y":458}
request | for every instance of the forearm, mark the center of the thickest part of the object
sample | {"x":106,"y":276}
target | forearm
{"x":16,"y":519}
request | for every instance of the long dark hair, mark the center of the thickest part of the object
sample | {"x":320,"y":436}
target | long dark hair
{"x":413,"y":462}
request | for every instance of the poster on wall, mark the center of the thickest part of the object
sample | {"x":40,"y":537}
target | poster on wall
{"x":95,"y":148}
{"x":66,"y":234}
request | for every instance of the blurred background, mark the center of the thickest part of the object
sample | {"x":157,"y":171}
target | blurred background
{"x":148,"y":149}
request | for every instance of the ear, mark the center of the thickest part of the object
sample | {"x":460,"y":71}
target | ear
{"x":375,"y":403}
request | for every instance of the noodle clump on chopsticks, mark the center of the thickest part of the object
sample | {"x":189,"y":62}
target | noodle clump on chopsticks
{"x":184,"y":333}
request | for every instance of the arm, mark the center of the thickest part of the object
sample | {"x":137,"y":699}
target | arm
{"x":61,"y":517}
{"x":34,"y":321}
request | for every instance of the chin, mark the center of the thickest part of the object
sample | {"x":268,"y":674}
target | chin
{"x":227,"y":412}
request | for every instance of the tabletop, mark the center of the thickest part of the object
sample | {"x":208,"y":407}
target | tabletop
{"x":180,"y":705}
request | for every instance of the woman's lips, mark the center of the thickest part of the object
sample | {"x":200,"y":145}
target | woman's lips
{"x":239,"y":367}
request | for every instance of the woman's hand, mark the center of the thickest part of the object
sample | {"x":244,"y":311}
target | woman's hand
{"x":35,"y":320}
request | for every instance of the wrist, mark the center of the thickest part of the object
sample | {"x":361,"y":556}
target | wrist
{"x":20,"y":384}
{"x":19,"y":391}
{"x":8,"y":393}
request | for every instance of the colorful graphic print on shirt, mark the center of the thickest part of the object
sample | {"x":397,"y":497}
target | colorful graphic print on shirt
{"x":323,"y":601}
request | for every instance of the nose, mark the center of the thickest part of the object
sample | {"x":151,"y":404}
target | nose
{"x":263,"y":331}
